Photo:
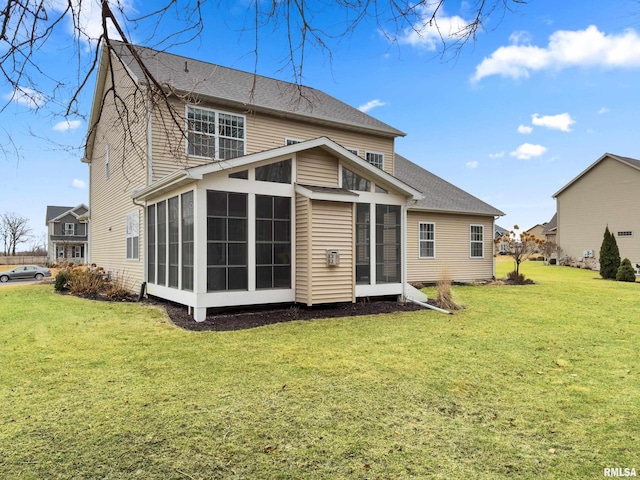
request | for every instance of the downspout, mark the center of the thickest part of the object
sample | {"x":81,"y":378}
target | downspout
{"x":432,"y":307}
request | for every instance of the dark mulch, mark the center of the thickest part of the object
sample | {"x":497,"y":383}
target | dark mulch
{"x":251,"y":317}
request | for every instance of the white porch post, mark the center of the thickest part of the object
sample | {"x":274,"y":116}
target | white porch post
{"x":200,"y":251}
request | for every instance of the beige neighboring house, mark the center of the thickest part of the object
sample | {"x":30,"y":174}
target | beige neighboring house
{"x":605,"y":194}
{"x":67,"y":233}
{"x":537,"y":230}
{"x":264,"y":192}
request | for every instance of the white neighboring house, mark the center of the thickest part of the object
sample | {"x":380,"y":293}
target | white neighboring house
{"x":67,"y":233}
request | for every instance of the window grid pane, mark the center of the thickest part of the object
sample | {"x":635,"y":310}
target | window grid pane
{"x":273,"y":242}
{"x":187,"y":241}
{"x":226,"y":241}
{"x":477,"y":241}
{"x":427,"y":243}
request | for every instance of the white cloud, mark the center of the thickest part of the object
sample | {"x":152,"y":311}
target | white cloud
{"x":581,"y":48}
{"x":26,"y":96}
{"x":527,"y":151}
{"x":428,"y":34}
{"x":473,"y":164}
{"x":519,"y":37}
{"x":496,"y":155}
{"x":370,"y":105}
{"x":603,"y":110}
{"x":67,"y":125}
{"x":561,"y":122}
{"x":525,"y":129}
{"x":76,"y":183}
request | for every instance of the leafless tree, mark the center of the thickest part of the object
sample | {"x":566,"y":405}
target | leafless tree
{"x":519,"y":247}
{"x":14,"y":230}
{"x":27,"y":26}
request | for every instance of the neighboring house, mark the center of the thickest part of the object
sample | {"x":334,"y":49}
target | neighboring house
{"x":264,"y":192}
{"x":500,"y":232}
{"x":550,"y":229}
{"x":537,"y":230}
{"x":604,"y":194}
{"x":67,"y":233}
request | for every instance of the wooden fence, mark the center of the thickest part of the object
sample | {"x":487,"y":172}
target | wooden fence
{"x":23,"y":260}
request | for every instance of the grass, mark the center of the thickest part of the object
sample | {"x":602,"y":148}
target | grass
{"x":537,"y":381}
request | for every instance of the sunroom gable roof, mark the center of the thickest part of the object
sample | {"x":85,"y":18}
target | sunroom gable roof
{"x":184,"y":176}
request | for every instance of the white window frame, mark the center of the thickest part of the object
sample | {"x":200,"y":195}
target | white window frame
{"x":472,"y":241}
{"x":291,"y":141}
{"x":77,"y":251}
{"x":355,"y":151}
{"x":426,"y":240}
{"x":132,"y":232}
{"x":60,"y":253}
{"x":367,"y":156}
{"x":67,"y":229}
{"x":215,"y":135}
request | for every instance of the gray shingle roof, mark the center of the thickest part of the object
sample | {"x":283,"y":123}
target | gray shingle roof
{"x":247,"y":90}
{"x":55,"y":211}
{"x":551,"y":225}
{"x":439,"y":195}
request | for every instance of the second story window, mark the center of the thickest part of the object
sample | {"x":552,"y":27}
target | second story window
{"x":214,"y":134}
{"x":69,"y":228}
{"x":375,"y":159}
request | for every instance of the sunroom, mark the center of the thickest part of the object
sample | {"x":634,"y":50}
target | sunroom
{"x":254,"y":230}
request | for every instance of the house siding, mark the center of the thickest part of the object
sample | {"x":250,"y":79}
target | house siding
{"x":315,"y":167}
{"x":263,"y":132}
{"x":303,"y":258}
{"x":452,"y":248}
{"x":332,"y":229}
{"x":606,"y":195}
{"x":110,"y":199}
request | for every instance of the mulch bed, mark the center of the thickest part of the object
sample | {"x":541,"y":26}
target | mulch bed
{"x":251,"y":317}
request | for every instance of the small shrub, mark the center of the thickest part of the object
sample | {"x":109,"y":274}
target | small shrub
{"x":444,"y":296}
{"x":625,"y":272}
{"x":118,"y":288}
{"x":516,"y":278}
{"x":85,"y":282}
{"x":62,"y":281}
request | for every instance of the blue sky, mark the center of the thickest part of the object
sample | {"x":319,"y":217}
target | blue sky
{"x":541,"y":94}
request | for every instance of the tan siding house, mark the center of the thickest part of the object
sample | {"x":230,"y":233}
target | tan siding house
{"x":240,"y":189}
{"x":607,"y":193}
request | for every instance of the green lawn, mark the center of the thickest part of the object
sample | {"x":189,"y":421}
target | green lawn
{"x":538,"y":381}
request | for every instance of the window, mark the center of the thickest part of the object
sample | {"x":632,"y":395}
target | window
{"x":353,"y":150}
{"x":363,"y":243}
{"x":388,"y":243}
{"x":151,"y":239}
{"x":226,"y":241}
{"x":132,"y":233}
{"x":173,"y":209}
{"x":69,"y":229}
{"x":292,"y":141}
{"x":626,"y":233}
{"x":61,"y":252}
{"x":279,"y":172}
{"x":477,"y":241}
{"x":214,"y":134}
{"x":379,"y":189}
{"x":161,"y":225}
{"x":427,"y":240}
{"x":187,"y":241}
{"x":353,"y":181}
{"x":375,"y":159}
{"x":273,"y":242}
{"x":243,"y":175}
{"x":78,"y":251}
